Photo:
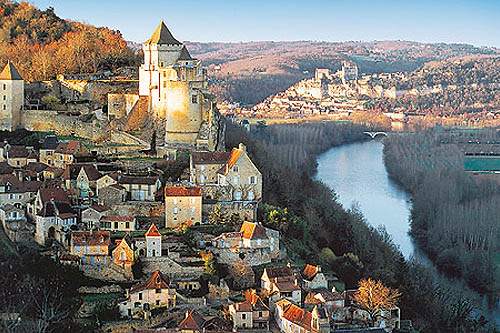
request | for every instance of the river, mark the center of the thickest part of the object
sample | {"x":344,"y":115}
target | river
{"x":357,"y":174}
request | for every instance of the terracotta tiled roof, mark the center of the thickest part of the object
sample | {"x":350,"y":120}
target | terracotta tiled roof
{"x":298,"y":316}
{"x":90,"y":238}
{"x":156,"y":281}
{"x":58,"y":194}
{"x":5,"y":168}
{"x":100,"y":208}
{"x":309,"y":272}
{"x":251,"y":230}
{"x":17,"y":152}
{"x":118,"y":218}
{"x":36,"y":167}
{"x":192,"y":322}
{"x":152,"y":231}
{"x":210,"y":157}
{"x":69,"y":147}
{"x":235,"y":154}
{"x":183,"y":191}
{"x":151,"y":180}
{"x":286,"y":286}
{"x":279,"y":272}
{"x":92,"y":172}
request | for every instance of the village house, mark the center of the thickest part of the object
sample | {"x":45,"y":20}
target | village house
{"x":14,"y":223}
{"x":292,"y":318}
{"x":153,"y":242}
{"x":19,"y":156}
{"x":81,"y":177}
{"x":53,"y":215}
{"x":123,"y":256}
{"x":147,"y":295}
{"x":48,"y":149}
{"x":33,"y":171}
{"x":112,"y":195}
{"x":280,"y":282}
{"x":65,"y":153}
{"x":138,"y":188}
{"x":118,"y":223}
{"x":250,"y":314}
{"x":15,"y":192}
{"x":385,"y":319}
{"x":52,"y":173}
{"x":236,"y":179}
{"x":92,"y":216}
{"x":313,"y":278}
{"x":257,"y":243}
{"x":332,"y":301}
{"x":91,"y":246}
{"x":192,"y":323}
{"x":182,"y":205}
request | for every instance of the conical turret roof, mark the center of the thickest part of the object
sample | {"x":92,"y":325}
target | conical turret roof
{"x":185,"y":54}
{"x":10,"y":72}
{"x":162,"y":36}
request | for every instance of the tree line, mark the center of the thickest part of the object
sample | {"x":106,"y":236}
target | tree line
{"x":316,"y":229}
{"x":42,"y":45}
{"x":454,"y":217}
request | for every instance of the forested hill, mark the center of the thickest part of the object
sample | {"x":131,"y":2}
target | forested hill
{"x":43,"y":45}
{"x":251,"y":71}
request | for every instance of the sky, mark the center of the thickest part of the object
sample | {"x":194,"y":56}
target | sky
{"x":474,"y":22}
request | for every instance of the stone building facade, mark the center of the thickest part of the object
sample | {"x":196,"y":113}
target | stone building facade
{"x":11,"y":98}
{"x":173,"y":89}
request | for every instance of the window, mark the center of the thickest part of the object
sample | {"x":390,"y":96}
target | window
{"x":4,"y":97}
{"x":127,"y":225}
{"x":5,"y":108}
{"x":194,"y":99}
{"x":140,"y":296}
{"x":4,"y":87}
{"x":191,"y":200}
{"x":237,"y":195}
{"x":250,"y":195}
{"x":252,"y":180}
{"x":116,"y":225}
{"x":260,"y":313}
{"x":176,"y":210}
{"x":158,"y":291}
{"x":175,"y":201}
{"x":157,"y":302}
{"x":202,"y":168}
{"x":193,"y":209}
{"x":243,"y":316}
{"x":235,"y":169}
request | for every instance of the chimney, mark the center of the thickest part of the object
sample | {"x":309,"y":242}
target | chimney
{"x":242,"y":147}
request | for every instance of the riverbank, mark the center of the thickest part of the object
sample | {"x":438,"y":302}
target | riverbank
{"x":316,"y":228}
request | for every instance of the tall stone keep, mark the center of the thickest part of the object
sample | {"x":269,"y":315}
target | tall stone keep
{"x":176,"y":87}
{"x":11,"y":98}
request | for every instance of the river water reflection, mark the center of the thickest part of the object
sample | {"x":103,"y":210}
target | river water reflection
{"x":357,"y":174}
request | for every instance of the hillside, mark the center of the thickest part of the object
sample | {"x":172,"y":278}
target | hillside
{"x":43,"y":45}
{"x":453,"y":86}
{"x":249,"y":72}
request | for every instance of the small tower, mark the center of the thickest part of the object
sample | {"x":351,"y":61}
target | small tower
{"x":11,"y":98}
{"x":153,"y":242}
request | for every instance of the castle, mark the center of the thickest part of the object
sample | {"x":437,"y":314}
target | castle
{"x":173,"y":90}
{"x":11,"y":98}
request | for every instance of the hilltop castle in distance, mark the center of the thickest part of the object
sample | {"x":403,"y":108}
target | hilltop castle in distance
{"x":172,"y":89}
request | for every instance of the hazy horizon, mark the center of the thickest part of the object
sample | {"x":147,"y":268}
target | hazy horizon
{"x":462,"y":21}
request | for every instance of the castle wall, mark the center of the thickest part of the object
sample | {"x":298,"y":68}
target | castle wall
{"x":119,"y":105}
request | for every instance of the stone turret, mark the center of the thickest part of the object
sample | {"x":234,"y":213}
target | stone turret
{"x":11,"y":98}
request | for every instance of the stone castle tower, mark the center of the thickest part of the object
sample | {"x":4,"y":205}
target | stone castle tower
{"x":11,"y":98}
{"x":175,"y":85}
